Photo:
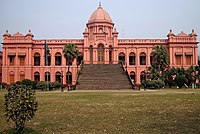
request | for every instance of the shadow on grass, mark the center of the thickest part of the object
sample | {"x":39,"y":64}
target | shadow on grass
{"x":26,"y":131}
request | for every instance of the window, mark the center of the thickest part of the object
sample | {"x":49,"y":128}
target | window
{"x":80,"y":58}
{"x":12,"y":77}
{"x":22,"y":60}
{"x":37,"y":76}
{"x":178,"y":58}
{"x":188,"y":58}
{"x":69,"y":61}
{"x":122,"y":58}
{"x":12,"y":60}
{"x":132,"y":58}
{"x":142,"y":59}
{"x":36,"y":59}
{"x":48,"y":60}
{"x":22,"y":76}
{"x":58,"y":59}
{"x":151,"y":59}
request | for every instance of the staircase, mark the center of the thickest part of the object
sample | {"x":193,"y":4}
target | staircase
{"x":103,"y":76}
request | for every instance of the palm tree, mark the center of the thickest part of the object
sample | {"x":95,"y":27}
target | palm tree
{"x":160,"y":57}
{"x":70,"y":52}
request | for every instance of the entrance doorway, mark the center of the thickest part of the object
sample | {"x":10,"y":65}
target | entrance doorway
{"x":100,"y":54}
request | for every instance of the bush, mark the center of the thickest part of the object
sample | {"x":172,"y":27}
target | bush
{"x":54,"y":85}
{"x":154,"y":84}
{"x":180,"y":80}
{"x":20,"y":105}
{"x":4,"y":85}
{"x":41,"y":85}
{"x":34,"y":84}
{"x":27,"y":82}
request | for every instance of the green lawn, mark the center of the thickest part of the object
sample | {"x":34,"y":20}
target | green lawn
{"x":165,"y":111}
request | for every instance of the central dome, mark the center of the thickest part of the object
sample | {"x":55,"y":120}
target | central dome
{"x":100,"y":15}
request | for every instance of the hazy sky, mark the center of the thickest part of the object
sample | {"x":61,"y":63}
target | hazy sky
{"x":66,"y":19}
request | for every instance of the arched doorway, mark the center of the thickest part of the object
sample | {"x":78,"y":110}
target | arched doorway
{"x":69,"y":78}
{"x":100,"y":54}
{"x":37,"y":76}
{"x":47,"y":76}
{"x":91,"y":54}
{"x":58,"y":77}
{"x":142,"y":77}
{"x":132,"y":75}
{"x":110,"y":54}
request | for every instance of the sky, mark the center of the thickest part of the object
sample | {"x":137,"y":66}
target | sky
{"x":66,"y":19}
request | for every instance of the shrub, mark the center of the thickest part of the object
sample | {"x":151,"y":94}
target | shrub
{"x":41,"y":85}
{"x":34,"y":84}
{"x":20,"y":105}
{"x":4,"y":85}
{"x":180,"y":80}
{"x":27,"y":82}
{"x":154,"y":84}
{"x":54,"y":85}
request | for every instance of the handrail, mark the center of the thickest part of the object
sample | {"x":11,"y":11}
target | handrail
{"x":125,"y":70}
{"x":79,"y":69}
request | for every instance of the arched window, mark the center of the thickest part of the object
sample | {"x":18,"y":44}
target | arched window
{"x":132,"y":58}
{"x":69,"y":78}
{"x":22,"y":76}
{"x":48,"y":60}
{"x":12,"y":77}
{"x":37,"y":76}
{"x":132,"y":75}
{"x":110,"y":54}
{"x":47,"y":76}
{"x":80,"y":58}
{"x":36,"y":59}
{"x":151,"y":59}
{"x":142,"y":58}
{"x":58,"y":59}
{"x":100,"y":54}
{"x":122,"y":58}
{"x":58,"y":77}
{"x":142,"y":77}
{"x":91,"y":55}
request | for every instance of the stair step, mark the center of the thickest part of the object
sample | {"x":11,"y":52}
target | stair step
{"x":106,"y":76}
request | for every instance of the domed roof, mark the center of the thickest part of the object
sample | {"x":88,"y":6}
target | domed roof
{"x":100,"y":15}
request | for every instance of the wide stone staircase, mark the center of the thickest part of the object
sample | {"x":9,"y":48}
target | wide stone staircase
{"x":103,"y":76}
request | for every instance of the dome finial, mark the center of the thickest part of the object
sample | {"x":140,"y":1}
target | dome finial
{"x":99,"y":4}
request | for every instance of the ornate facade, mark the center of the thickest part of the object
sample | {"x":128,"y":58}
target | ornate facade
{"x":23,"y":56}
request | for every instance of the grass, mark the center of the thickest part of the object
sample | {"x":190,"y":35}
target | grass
{"x":164,"y":111}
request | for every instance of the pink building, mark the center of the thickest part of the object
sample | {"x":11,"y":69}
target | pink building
{"x":23,"y":56}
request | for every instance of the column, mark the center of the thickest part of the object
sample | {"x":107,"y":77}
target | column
{"x":137,"y":57}
{"x":30,"y":56}
{"x":183,"y":57}
{"x":170,"y":56}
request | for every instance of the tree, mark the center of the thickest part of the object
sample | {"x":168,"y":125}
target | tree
{"x":160,"y":58}
{"x":20,"y":105}
{"x":70,"y":52}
